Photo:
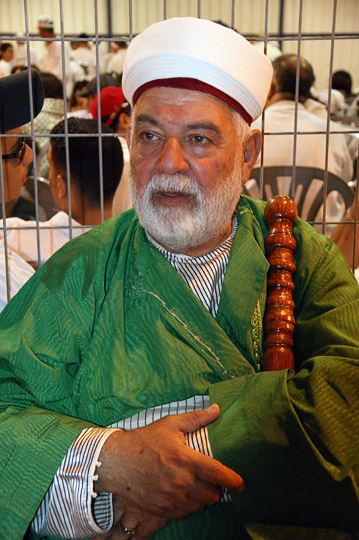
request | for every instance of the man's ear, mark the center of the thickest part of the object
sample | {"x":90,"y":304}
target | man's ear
{"x":124,"y":121}
{"x":272,"y":90}
{"x":61,"y":187}
{"x":251,"y":152}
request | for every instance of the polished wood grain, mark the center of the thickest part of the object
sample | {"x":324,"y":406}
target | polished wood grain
{"x":279,"y":323}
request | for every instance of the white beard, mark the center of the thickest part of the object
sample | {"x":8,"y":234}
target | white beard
{"x":203,"y":220}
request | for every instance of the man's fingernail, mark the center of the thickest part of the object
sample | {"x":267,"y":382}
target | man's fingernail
{"x":212,"y":408}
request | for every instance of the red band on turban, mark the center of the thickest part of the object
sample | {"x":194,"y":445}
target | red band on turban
{"x":194,"y":84}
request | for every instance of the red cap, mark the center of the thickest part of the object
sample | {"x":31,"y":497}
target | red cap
{"x":111,"y":101}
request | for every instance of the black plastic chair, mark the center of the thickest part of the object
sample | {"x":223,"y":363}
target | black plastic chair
{"x":309,"y":188}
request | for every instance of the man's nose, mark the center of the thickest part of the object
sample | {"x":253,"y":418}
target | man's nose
{"x":172,"y":159}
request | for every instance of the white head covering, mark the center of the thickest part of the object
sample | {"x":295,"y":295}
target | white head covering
{"x":45,"y":22}
{"x":337,"y":100}
{"x":196,"y":50}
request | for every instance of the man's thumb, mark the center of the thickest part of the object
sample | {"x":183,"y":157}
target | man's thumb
{"x":194,"y":420}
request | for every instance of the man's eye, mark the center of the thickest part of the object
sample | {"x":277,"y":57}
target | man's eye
{"x":200,"y":139}
{"x":147,"y":136}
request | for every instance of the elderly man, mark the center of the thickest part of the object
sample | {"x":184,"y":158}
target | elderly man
{"x":158,"y":312}
{"x":16,"y":156}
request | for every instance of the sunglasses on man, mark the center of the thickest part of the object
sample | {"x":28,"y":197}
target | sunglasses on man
{"x":20,"y":153}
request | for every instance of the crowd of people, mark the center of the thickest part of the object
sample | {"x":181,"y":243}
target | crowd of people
{"x":134,"y":398}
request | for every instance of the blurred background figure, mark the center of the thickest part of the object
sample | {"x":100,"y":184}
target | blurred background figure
{"x":337,"y":101}
{"x":20,"y":54}
{"x":115,"y":63}
{"x":52,"y":112}
{"x":6,"y":56}
{"x":16,"y":156}
{"x":51,"y":60}
{"x":116,"y":113}
{"x":57,"y":58}
{"x":79,"y":195}
{"x":84,"y":55}
{"x":90,"y":91}
{"x":78,"y":105}
{"x":272,"y":48}
{"x":109,"y":55}
{"x":342,"y":81}
{"x":18,"y":69}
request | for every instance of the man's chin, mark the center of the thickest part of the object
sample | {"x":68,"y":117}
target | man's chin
{"x":171,"y":231}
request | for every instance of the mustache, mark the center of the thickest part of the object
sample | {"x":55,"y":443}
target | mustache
{"x":179,"y":183}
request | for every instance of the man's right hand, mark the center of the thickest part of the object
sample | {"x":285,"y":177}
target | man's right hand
{"x":151,"y":471}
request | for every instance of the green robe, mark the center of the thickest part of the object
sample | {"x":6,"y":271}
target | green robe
{"x":107,"y":328}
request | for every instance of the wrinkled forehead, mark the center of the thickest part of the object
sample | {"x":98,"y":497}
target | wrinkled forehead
{"x":163,"y":102}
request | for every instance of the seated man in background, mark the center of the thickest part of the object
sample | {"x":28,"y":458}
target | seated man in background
{"x":80,"y":196}
{"x":280,"y":114}
{"x":116,"y":113}
{"x":159,"y":311}
{"x":342,"y":81}
{"x":16,"y":157}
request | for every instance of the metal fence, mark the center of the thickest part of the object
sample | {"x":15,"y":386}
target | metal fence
{"x":325,"y":32}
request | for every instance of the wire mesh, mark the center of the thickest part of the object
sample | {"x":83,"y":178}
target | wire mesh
{"x":264,"y":22}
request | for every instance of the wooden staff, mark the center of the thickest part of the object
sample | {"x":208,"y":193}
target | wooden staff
{"x":280,"y":215}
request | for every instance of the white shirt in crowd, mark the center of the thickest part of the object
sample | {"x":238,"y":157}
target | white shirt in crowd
{"x":20,"y":56}
{"x":51,"y":62}
{"x":310,"y":150}
{"x":53,"y":234}
{"x":19,"y":272}
{"x":5,"y":68}
{"x":116,"y":61}
{"x":87,"y":57}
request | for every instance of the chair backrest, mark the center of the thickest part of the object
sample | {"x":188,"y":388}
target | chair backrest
{"x":309,"y":188}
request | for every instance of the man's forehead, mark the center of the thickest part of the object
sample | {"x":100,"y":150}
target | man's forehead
{"x":161,"y":101}
{"x":169,"y":94}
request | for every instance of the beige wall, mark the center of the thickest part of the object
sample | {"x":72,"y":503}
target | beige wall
{"x":249,"y":18}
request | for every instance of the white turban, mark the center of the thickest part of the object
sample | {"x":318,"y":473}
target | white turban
{"x":202,"y":55}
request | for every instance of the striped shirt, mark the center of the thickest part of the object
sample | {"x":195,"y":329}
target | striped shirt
{"x":70,"y":507}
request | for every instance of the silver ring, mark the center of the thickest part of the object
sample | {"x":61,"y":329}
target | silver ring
{"x":127,"y":530}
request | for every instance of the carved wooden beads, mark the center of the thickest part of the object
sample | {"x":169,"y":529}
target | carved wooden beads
{"x":279,"y":323}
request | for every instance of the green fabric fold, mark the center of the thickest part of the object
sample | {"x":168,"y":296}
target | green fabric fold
{"x":107,"y":328}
